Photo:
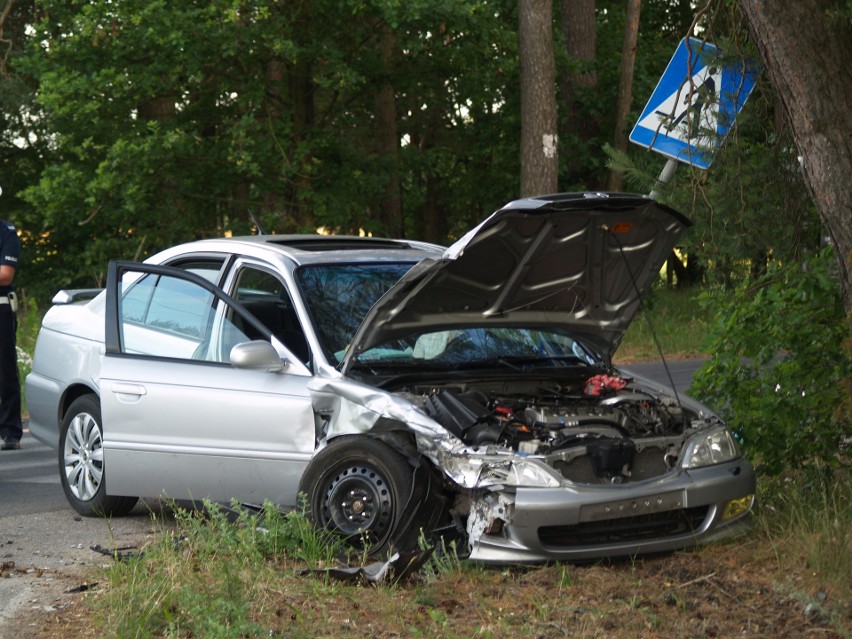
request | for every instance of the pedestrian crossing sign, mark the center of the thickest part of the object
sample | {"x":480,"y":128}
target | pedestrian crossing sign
{"x":695,"y":103}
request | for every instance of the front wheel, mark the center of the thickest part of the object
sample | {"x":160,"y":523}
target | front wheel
{"x":81,"y":461}
{"x":364,"y":490}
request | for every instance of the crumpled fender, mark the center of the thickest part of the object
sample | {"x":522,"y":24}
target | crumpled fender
{"x":348,"y":407}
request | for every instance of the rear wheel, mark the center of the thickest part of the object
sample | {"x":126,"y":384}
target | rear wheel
{"x":364,"y":490}
{"x":81,"y":461}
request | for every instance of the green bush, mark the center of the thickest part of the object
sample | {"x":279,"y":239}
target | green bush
{"x":29,"y":322}
{"x":779,"y":374}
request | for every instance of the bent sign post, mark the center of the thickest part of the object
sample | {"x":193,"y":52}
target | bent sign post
{"x":694,"y":105}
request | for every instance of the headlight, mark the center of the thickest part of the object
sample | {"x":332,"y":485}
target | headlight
{"x":711,"y":447}
{"x":516,"y":472}
{"x":525,"y":473}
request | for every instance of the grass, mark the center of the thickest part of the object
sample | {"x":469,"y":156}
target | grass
{"x":806,"y":519}
{"x":678,"y":320}
{"x":210,"y":576}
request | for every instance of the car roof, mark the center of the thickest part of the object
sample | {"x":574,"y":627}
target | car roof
{"x":312,"y":249}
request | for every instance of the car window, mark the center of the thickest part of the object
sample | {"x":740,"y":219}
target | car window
{"x":166,"y":316}
{"x":210,"y":268}
{"x":264,"y":295}
{"x":338,"y":297}
{"x":179,"y":307}
{"x":137,"y":298}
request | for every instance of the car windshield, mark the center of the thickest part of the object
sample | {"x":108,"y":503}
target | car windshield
{"x":519,"y":348}
{"x":338,"y":297}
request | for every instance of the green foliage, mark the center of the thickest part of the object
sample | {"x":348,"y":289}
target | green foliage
{"x":127,"y":126}
{"x":29,"y":321}
{"x":164,"y":122}
{"x":752,"y":207}
{"x":199,"y":578}
{"x":779,"y":374}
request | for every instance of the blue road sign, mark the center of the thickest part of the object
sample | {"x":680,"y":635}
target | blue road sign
{"x":695,"y":103}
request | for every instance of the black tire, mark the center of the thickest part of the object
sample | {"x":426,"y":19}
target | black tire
{"x":365,"y":491}
{"x":81,"y":462}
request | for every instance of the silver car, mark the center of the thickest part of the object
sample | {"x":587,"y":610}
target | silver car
{"x":403,"y":388}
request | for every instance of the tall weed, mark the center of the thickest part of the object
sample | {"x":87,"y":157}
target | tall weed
{"x":807,"y":519}
{"x":444,"y":560}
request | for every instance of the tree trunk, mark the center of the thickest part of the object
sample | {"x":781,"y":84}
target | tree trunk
{"x":434,"y":224}
{"x":805,"y":50}
{"x":300,"y":215}
{"x":578,"y":128}
{"x":625,"y":87}
{"x":539,"y":157}
{"x":387,"y":138}
{"x":273,"y":107}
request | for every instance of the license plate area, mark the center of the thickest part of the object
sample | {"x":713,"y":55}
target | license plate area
{"x":632,"y":507}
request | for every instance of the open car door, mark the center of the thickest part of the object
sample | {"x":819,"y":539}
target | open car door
{"x":189,"y":409}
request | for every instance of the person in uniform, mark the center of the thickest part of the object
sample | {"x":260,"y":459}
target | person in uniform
{"x":10,"y":383}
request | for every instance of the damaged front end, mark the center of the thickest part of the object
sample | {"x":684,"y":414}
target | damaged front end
{"x":534,"y":470}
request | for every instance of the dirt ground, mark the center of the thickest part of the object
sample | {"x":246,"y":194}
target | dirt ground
{"x":730,"y":590}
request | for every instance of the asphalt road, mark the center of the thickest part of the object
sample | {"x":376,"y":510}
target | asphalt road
{"x":35,"y":514}
{"x":51,"y":545}
{"x":681,"y":372}
{"x":46,"y":548}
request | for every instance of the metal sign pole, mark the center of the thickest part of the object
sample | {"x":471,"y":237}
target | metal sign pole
{"x":665,"y":176}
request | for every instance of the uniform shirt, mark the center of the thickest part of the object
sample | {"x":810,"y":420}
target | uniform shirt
{"x":10,"y":250}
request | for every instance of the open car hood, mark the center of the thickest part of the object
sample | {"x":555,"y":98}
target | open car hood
{"x":579,"y":262}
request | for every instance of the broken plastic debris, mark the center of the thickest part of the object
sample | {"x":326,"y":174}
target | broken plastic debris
{"x":398,"y":567}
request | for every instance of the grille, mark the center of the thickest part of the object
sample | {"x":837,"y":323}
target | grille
{"x":638,"y":528}
{"x":646,"y":464}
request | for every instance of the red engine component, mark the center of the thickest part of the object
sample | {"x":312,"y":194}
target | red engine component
{"x":603,"y":384}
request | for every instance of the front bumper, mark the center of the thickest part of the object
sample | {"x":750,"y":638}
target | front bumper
{"x":581,"y":522}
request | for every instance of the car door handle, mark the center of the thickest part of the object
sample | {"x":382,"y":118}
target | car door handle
{"x":129,"y":392}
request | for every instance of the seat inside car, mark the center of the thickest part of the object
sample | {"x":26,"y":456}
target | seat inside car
{"x":282,"y":322}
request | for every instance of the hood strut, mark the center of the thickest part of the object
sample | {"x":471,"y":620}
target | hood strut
{"x":645,"y":315}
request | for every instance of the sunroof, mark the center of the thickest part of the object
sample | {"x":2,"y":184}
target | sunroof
{"x":332,"y":243}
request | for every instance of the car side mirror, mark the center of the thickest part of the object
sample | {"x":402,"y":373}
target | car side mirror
{"x":257,"y":355}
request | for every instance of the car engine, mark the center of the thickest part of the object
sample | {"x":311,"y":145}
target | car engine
{"x":601,"y":430}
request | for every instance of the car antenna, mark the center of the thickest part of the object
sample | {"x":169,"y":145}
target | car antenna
{"x":618,"y":243}
{"x":257,"y":224}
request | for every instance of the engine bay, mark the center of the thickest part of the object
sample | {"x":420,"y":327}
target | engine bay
{"x":604,"y":426}
{"x":554,"y":418}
